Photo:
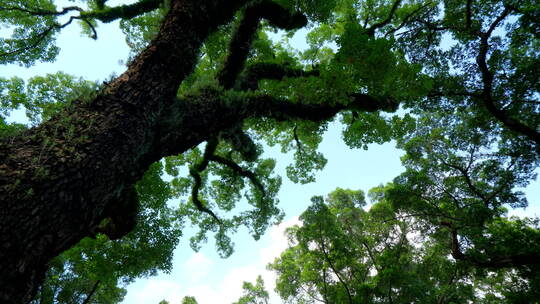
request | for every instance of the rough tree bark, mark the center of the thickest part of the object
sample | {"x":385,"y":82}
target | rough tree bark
{"x":60,"y":180}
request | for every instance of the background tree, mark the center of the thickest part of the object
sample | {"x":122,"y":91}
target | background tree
{"x":189,"y":300}
{"x":72,"y":175}
{"x":343,"y":254}
{"x":254,"y":294}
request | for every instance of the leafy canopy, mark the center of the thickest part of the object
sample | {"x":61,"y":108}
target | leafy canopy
{"x":465,"y":75}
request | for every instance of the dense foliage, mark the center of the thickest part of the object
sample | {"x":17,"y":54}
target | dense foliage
{"x":464,"y":76}
{"x":254,"y":294}
{"x":344,"y":254}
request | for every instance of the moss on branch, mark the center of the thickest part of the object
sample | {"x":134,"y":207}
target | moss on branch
{"x":244,"y":33}
{"x":249,"y":80}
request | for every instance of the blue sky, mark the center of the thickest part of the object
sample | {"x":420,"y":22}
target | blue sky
{"x":214,"y":280}
{"x":204,"y":275}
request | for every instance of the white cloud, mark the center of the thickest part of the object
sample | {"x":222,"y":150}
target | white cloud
{"x":197,"y":275}
{"x":203,"y":293}
{"x":229,"y":288}
{"x":198,"y":266}
{"x":153,"y":291}
{"x":278,"y":241}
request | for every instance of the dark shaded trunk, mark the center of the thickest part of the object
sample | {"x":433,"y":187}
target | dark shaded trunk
{"x":58,"y":181}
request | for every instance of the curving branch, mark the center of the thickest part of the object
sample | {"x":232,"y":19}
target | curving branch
{"x":103,"y":14}
{"x":485,"y":96}
{"x":39,"y":38}
{"x":408,"y":19}
{"x":240,"y":171}
{"x":465,"y":174}
{"x":195,"y":172}
{"x":106,"y":15}
{"x":240,"y":142}
{"x":371,"y":30}
{"x":41,"y":12}
{"x":494,"y":261}
{"x":127,"y":11}
{"x":245,"y":31}
{"x":487,"y":81}
{"x":209,"y":155}
{"x":299,"y":145}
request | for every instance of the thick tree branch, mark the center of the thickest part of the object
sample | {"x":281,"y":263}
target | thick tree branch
{"x":91,"y":151}
{"x":232,"y":109}
{"x":244,"y":34}
{"x":105,"y":14}
{"x":280,"y":109}
{"x":217,"y":111}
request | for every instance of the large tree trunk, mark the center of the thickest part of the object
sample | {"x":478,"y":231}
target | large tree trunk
{"x":59,"y":180}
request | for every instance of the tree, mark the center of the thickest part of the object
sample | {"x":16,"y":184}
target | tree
{"x":94,"y":270}
{"x":343,"y":254}
{"x":72,"y":174}
{"x":254,"y":294}
{"x":189,"y":300}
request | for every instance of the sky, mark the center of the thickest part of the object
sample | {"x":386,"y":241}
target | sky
{"x":204,"y":275}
